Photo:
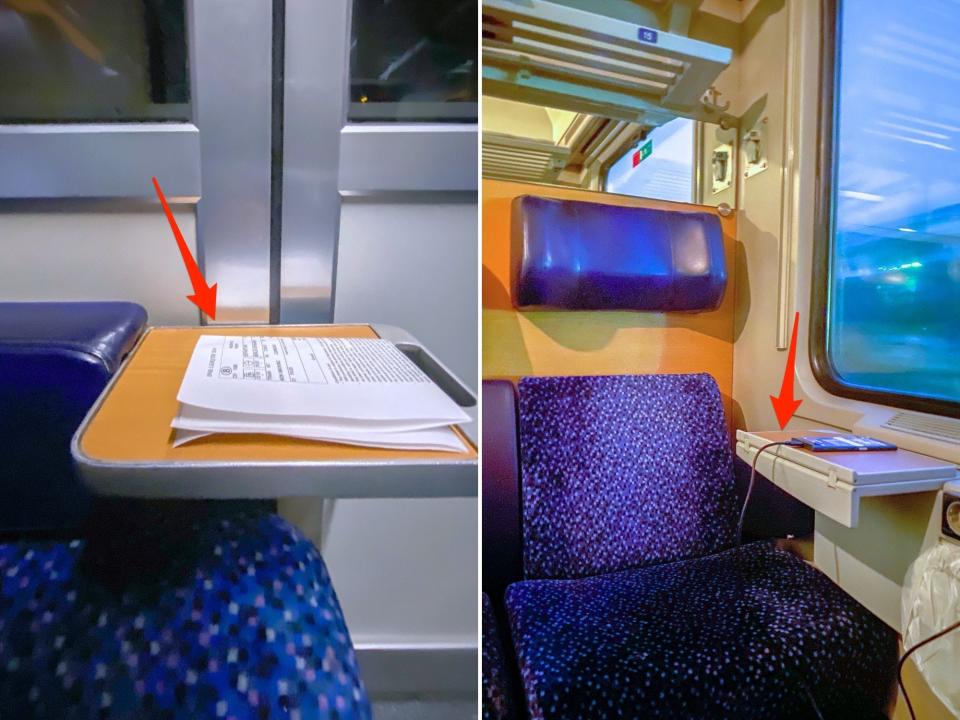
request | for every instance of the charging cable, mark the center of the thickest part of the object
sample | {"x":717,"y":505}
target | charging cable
{"x":753,"y":480}
{"x":908,"y":653}
{"x":743,"y":513}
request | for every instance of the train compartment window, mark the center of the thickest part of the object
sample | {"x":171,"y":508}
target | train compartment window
{"x":413,"y":61}
{"x":89,"y":61}
{"x":661,"y":166}
{"x":886,"y":301}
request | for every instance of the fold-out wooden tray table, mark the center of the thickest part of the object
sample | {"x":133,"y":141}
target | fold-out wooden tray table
{"x":124,"y":445}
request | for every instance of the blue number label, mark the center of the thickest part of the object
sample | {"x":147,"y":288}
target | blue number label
{"x":648,"y":36}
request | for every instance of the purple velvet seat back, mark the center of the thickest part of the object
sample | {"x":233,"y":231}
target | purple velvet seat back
{"x":623,"y":471}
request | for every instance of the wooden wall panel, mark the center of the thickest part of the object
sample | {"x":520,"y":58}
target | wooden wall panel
{"x":551,"y":342}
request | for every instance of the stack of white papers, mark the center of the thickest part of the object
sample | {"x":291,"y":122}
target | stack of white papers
{"x":343,"y":390}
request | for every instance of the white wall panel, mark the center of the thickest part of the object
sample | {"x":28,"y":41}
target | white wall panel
{"x":70,"y":254}
{"x":406,"y":571}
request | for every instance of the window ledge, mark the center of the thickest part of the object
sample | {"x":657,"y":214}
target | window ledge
{"x":865,"y":418}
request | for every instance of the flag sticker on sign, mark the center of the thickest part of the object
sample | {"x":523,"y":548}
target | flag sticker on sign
{"x":648,"y":36}
{"x":642,"y":153}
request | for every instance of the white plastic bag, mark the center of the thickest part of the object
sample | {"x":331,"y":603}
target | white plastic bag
{"x":929,"y":603}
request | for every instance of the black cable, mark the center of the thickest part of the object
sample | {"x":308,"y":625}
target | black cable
{"x":903,"y":658}
{"x":753,"y":479}
{"x":743,"y":514}
{"x":908,"y":653}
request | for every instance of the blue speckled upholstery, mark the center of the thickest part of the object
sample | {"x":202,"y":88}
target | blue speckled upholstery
{"x":155,"y":609}
{"x":498,"y":701}
{"x":211,"y":616}
{"x":743,"y":634}
{"x":629,"y":479}
{"x":622,"y":471}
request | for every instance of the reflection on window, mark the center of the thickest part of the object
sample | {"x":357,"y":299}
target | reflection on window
{"x":659,"y":167}
{"x":93,"y":60}
{"x":893,"y":320}
{"x":413,"y":60}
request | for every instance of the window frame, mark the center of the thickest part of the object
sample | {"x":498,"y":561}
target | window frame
{"x":406,"y":156}
{"x":329,"y":160}
{"x":823,"y":238}
{"x":63,"y":150}
{"x":229,"y":167}
{"x":696,"y":196}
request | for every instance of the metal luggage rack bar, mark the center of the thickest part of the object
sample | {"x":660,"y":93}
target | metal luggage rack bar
{"x":544,"y":52}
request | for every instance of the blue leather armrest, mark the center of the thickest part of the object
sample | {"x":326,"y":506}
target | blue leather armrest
{"x":55,"y":359}
{"x":575,"y":255}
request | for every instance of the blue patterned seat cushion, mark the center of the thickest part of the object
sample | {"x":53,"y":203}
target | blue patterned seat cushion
{"x":219,"y":617}
{"x":621,"y":471}
{"x":498,"y":699}
{"x":746,"y":633}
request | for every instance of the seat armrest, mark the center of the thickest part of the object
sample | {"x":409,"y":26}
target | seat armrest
{"x":101,"y":333}
{"x":55,"y":360}
{"x":502,"y":531}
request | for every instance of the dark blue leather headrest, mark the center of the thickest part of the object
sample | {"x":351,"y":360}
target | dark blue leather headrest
{"x":55,"y":359}
{"x":576,"y":255}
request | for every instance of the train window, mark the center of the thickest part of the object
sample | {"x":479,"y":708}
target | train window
{"x":93,"y":61}
{"x":675,"y":161}
{"x":413,"y":61}
{"x":886,"y":326}
{"x":661,"y":166}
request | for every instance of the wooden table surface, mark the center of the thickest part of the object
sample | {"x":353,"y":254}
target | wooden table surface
{"x":132,"y":424}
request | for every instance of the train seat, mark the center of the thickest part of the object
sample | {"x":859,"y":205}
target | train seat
{"x":500,"y":698}
{"x":151,"y":608}
{"x":501,"y":543}
{"x":635,"y":600}
{"x":745,"y":633}
{"x":55,"y":359}
{"x":160,"y":614}
{"x":500,"y":488}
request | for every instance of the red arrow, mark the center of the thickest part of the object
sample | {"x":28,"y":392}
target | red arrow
{"x":784,"y":405}
{"x":203,"y":297}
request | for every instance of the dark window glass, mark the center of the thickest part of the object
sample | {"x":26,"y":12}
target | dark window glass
{"x":893,"y":293}
{"x":413,"y":60}
{"x":93,"y":60}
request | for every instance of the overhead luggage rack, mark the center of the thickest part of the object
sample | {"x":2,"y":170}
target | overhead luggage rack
{"x":547,"y":53}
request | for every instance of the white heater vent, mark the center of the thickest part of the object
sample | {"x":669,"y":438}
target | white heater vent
{"x":506,"y":157}
{"x":943,"y":429}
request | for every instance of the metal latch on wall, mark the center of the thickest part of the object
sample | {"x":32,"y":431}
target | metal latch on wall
{"x":755,"y":146}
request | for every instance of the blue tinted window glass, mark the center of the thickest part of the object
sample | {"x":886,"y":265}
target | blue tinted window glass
{"x":894,"y":306}
{"x":660,"y":167}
